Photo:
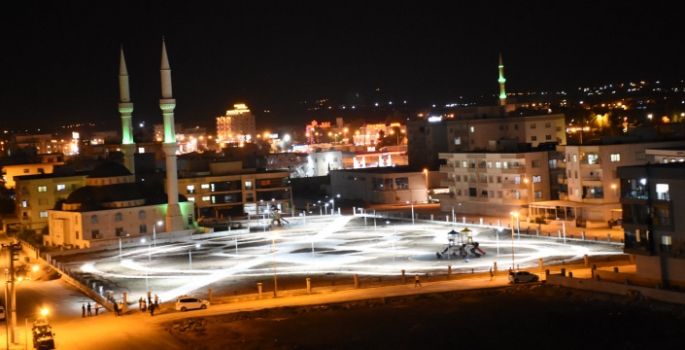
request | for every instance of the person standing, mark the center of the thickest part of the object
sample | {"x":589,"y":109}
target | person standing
{"x":152,"y":310}
{"x":83,"y":310}
{"x":491,"y":274}
{"x":97,"y":307}
{"x":144,"y":307}
{"x":417,"y":280}
{"x":156,"y":300}
{"x":88,"y":308}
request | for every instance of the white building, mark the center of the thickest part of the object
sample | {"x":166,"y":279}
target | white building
{"x":391,"y":185}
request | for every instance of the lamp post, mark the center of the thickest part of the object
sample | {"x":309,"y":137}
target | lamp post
{"x":273,"y":249}
{"x":425,"y":175}
{"x":190,"y":255}
{"x":333,"y":206}
{"x":512,"y":239}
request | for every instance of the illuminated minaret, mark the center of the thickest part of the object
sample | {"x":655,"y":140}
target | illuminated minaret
{"x":501,"y":80}
{"x":174,"y":220}
{"x":128,"y":148}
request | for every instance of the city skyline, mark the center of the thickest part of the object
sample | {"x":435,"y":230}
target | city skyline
{"x":61,"y":61}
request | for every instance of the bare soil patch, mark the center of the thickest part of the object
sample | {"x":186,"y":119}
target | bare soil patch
{"x":535,"y":316}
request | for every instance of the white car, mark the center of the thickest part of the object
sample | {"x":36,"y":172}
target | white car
{"x":185,"y":303}
{"x":523,"y":276}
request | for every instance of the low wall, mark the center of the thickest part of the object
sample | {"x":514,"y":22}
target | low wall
{"x":616,"y":288}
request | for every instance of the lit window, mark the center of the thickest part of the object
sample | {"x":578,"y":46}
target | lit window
{"x":191,"y":188}
{"x":204,"y":186}
{"x":42,"y":188}
{"x":662,"y":192}
{"x":61,"y":187}
{"x":141,"y":150}
{"x":43,"y":214}
{"x":616,"y":157}
{"x":457,"y":140}
{"x":24,"y":203}
{"x":248,"y":185}
{"x":191,"y":199}
{"x":473,"y":129}
{"x":206,"y":198}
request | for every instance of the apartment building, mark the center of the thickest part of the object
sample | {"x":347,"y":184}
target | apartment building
{"x":652,"y":195}
{"x":387,"y":185}
{"x":494,"y":183}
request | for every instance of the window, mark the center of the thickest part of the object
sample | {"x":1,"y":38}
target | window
{"x":616,"y":157}
{"x":464,"y":164}
{"x":489,"y":165}
{"x":402,"y":183}
{"x":143,"y":229}
{"x":43,"y":214}
{"x":533,"y":138}
{"x":204,"y":186}
{"x":472,"y":129}
{"x":118,"y":217}
{"x":119,"y":231}
{"x":191,"y":188}
{"x":498,"y":165}
{"x":533,"y":126}
{"x":61,"y":187}
{"x":141,"y":214}
{"x":666,"y":244}
{"x":94,"y":219}
{"x":95,"y":234}
{"x":575,"y":158}
{"x":24,"y":203}
{"x":548,"y":137}
{"x":249,"y":197}
{"x":662,"y":192}
{"x":516,"y":126}
{"x":248,"y":185}
{"x":191,"y":199}
{"x":640,"y":155}
{"x":457,"y":140}
{"x":548,"y":125}
{"x":206,"y":198}
{"x":141,"y":150}
{"x":77,"y":235}
{"x":42,"y":188}
{"x":536,"y":163}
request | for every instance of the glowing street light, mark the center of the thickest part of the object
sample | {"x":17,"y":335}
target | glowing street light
{"x":513,"y":214}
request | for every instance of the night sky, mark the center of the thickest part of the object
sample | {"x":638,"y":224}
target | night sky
{"x":60,"y":59}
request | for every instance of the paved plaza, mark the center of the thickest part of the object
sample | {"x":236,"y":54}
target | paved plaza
{"x":327,"y":249}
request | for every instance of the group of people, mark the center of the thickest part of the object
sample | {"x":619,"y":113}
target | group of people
{"x":148,"y":304}
{"x":86,"y":310}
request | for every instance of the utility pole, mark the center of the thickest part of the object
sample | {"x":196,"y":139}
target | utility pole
{"x":14,"y":250}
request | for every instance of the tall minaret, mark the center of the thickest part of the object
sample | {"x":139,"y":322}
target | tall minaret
{"x":128,"y":148}
{"x":174,"y":220}
{"x":501,"y":80}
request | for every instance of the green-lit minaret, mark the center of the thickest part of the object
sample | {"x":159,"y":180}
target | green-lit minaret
{"x":174,"y":220}
{"x":128,"y":147}
{"x":501,"y":80}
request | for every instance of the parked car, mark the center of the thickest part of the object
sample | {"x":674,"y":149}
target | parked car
{"x":185,"y":303}
{"x":523,"y":276}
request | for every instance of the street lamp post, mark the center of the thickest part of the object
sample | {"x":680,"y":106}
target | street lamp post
{"x":425,"y":175}
{"x":512,"y":239}
{"x":333,"y":206}
{"x":273,"y":249}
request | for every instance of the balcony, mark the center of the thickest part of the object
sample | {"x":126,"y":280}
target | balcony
{"x":518,"y":169}
{"x":591,"y":181}
{"x":446,"y":169}
{"x":562,"y":180}
{"x":561,"y":164}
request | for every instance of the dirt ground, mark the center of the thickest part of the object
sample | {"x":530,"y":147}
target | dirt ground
{"x":534,"y":316}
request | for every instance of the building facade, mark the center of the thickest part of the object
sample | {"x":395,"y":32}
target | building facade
{"x":398,"y":185}
{"x":238,"y":125}
{"x":36,"y":194}
{"x":652,"y":195}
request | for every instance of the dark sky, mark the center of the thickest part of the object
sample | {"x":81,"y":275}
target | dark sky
{"x":59,"y":59}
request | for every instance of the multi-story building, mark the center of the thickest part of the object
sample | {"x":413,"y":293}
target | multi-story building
{"x":590,"y":178}
{"x":476,"y":134}
{"x":495,"y":183}
{"x":651,"y":197}
{"x":389,"y":185}
{"x":238,"y":125}
{"x":10,"y":172}
{"x":231,"y":191}
{"x":36,"y":194}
